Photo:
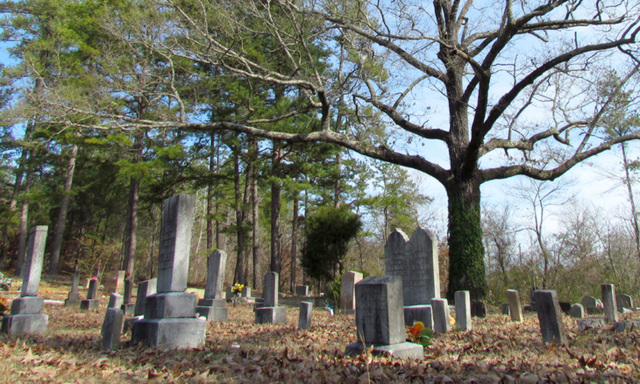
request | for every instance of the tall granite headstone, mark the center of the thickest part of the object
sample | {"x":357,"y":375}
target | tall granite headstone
{"x":213,"y":306}
{"x":26,"y":311}
{"x":270,"y":312}
{"x":415,"y":261}
{"x":170,"y":320}
{"x":550,"y":317}
{"x":348,"y":292}
{"x":380,"y":319}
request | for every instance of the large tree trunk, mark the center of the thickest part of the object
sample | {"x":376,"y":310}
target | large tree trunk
{"x":466,"y":251}
{"x":255,"y":210}
{"x":6,"y":234}
{"x":62,"y":214}
{"x":276,"y":191}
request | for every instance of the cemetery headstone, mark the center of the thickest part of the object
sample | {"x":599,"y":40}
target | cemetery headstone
{"x":213,"y":305}
{"x":73,"y":298}
{"x":515,"y":308}
{"x":441,"y":315}
{"x":592,"y":305}
{"x":113,"y":321}
{"x":463,"y":310}
{"x":576,"y":311}
{"x":114,"y":283}
{"x":91,"y":302}
{"x":128,"y":307}
{"x":304,"y":319}
{"x":415,"y":261}
{"x":624,"y":301}
{"x":380,"y":319}
{"x":609,"y":302}
{"x":302,"y":290}
{"x":170,"y":320}
{"x":415,"y":313}
{"x":245,"y":295}
{"x":270,"y":312}
{"x":145,"y":288}
{"x":26,"y":311}
{"x":478,"y":309}
{"x":348,"y":292}
{"x":550,"y":317}
{"x":505,"y":309}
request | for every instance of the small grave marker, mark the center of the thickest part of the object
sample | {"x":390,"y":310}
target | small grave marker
{"x":550,"y":317}
{"x":348,"y":292}
{"x":270,"y":312}
{"x":515,"y":308}
{"x":304,"y":320}
{"x":441,"y":315}
{"x":463,"y":310}
{"x":576,"y":311}
{"x":73,"y":298}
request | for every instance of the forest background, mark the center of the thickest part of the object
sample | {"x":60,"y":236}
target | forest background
{"x":100,"y":191}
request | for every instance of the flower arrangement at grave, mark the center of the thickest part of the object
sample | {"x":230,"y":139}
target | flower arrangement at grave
{"x":4,"y":305}
{"x":419,"y":334}
{"x":237,"y":289}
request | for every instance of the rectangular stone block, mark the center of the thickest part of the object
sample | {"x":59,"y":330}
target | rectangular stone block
{"x":169,"y":333}
{"x":170,"y":305}
{"x":33,"y":264}
{"x":175,"y":244}
{"x":414,"y":313}
{"x":463,"y":310}
{"x":348,"y":292}
{"x":271,"y":288}
{"x":441,"y":315}
{"x":90,"y":304}
{"x":216,"y":267}
{"x":27,"y":305}
{"x":302,"y":290}
{"x":379,"y":310}
{"x":219,"y":314}
{"x":112,"y":328}
{"x":515,"y":308}
{"x":271,"y":315}
{"x":115,"y":301}
{"x":415,"y":261}
{"x":72,"y":303}
{"x":145,"y":288}
{"x":304,"y":319}
{"x":550,"y":317}
{"x":25,"y":324}
{"x":92,"y":292}
{"x":609,"y":301}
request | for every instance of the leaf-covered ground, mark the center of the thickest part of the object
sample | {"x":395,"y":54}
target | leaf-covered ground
{"x":239,"y":351}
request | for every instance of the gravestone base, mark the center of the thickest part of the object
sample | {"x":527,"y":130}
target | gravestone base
{"x":404,"y":350}
{"x":272,"y":315}
{"x":26,"y":323}
{"x":112,"y":328}
{"x":72,"y":303}
{"x":213,"y":309}
{"x":128,"y":309}
{"x":169,"y":333}
{"x":170,"y":305}
{"x":27,"y":305}
{"x":92,"y":304}
{"x":423,"y":313}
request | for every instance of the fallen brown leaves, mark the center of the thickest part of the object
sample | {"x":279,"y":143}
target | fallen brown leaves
{"x":239,"y":351}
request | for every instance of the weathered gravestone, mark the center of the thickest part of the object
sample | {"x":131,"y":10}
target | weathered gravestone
{"x":113,"y":321}
{"x":515,"y":308}
{"x":576,"y":311}
{"x":145,"y":288}
{"x":592,"y":305}
{"x":73,"y":298}
{"x":270,"y":312}
{"x":550,"y":317}
{"x":415,"y":261}
{"x":213,"y":306}
{"x":91,"y":303}
{"x":414,"y":313}
{"x":128,"y":307}
{"x":26,"y":311}
{"x":170,"y":320}
{"x":609,"y":302}
{"x":624,"y":301}
{"x":463,"y":310}
{"x":441,"y":316}
{"x":505,"y":309}
{"x":302,"y":290}
{"x":304,"y":319}
{"x":380,"y":319}
{"x":348,"y":292}
{"x":114,"y":283}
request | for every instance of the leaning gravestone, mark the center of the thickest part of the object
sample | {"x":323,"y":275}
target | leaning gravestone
{"x":113,"y":321}
{"x":91,"y":303}
{"x":550,"y":317}
{"x":380,"y":319}
{"x":26,"y":311}
{"x":270,"y":312}
{"x":304,"y":319}
{"x":415,"y":261}
{"x":624,"y":301}
{"x":170,"y":320}
{"x":463,"y":310}
{"x":213,"y":306}
{"x":348,"y":292}
{"x":73,"y":298}
{"x":515,"y":309}
{"x":609,"y":301}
